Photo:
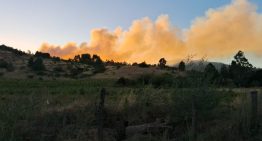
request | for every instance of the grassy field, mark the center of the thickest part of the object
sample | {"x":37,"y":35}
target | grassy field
{"x":35,"y":110}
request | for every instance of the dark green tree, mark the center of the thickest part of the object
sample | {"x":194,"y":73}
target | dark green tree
{"x":224,"y":72}
{"x":162,"y":63}
{"x":211,"y":73}
{"x":240,"y":70}
{"x":241,"y":60}
{"x":182,"y":66}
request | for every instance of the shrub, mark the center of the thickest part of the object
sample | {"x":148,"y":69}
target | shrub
{"x":42,"y":55}
{"x":57,"y":59}
{"x":182,"y":66}
{"x":143,"y":65}
{"x":3,"y":63}
{"x":98,"y":64}
{"x":162,"y":63}
{"x":41,"y":73}
{"x":75,"y":71}
{"x":30,"y":76}
{"x":37,"y":64}
{"x":164,"y":80}
{"x":58,"y":69}
{"x":10,"y":67}
{"x":144,"y":79}
{"x":121,"y":81}
{"x":135,"y":64}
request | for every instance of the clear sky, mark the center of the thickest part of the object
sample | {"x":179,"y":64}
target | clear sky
{"x":26,"y":24}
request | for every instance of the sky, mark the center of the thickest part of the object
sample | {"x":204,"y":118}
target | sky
{"x":26,"y":25}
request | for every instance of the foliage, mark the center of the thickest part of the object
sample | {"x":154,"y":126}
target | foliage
{"x":163,"y":80}
{"x":58,"y":69}
{"x":15,"y":51}
{"x":36,"y":64}
{"x":143,"y":65}
{"x":211,"y":73}
{"x":56,"y":59}
{"x":6,"y":65}
{"x":162,"y":63}
{"x":182,"y":66}
{"x":241,"y":60}
{"x":85,"y":58}
{"x":98,"y":64}
{"x":39,"y":54}
{"x":3,"y":63}
{"x":256,"y":78}
{"x":65,"y":110}
{"x":122,"y":81}
{"x":224,"y":72}
{"x":95,"y":61}
{"x":240,"y":70}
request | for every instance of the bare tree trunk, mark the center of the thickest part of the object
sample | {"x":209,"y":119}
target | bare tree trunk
{"x":101,"y":115}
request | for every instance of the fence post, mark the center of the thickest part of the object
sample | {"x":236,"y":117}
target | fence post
{"x":254,"y":119}
{"x":101,"y":115}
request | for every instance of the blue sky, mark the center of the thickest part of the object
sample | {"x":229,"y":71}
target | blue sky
{"x":26,"y":24}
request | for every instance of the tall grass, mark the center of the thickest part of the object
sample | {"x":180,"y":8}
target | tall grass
{"x":65,"y":110}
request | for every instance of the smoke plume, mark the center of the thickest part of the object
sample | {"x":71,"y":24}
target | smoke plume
{"x":220,"y":33}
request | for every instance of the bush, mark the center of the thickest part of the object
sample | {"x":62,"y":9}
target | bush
{"x":10,"y":67}
{"x":182,"y":66}
{"x":143,"y":65}
{"x":40,"y":73}
{"x":30,"y":76}
{"x":121,"y":81}
{"x":98,"y":64}
{"x":145,"y":79}
{"x":5,"y":65}
{"x":58,"y":69}
{"x":99,"y":68}
{"x":37,"y":64}
{"x":210,"y":104}
{"x":164,"y":80}
{"x":75,"y":71}
{"x":56,"y":59}
{"x":42,"y":55}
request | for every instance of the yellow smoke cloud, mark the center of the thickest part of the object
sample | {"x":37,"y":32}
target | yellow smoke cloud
{"x":220,"y":33}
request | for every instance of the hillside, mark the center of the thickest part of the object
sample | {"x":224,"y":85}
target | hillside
{"x":63,"y":69}
{"x":15,"y":64}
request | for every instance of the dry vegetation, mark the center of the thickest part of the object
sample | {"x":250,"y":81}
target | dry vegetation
{"x":48,"y":99}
